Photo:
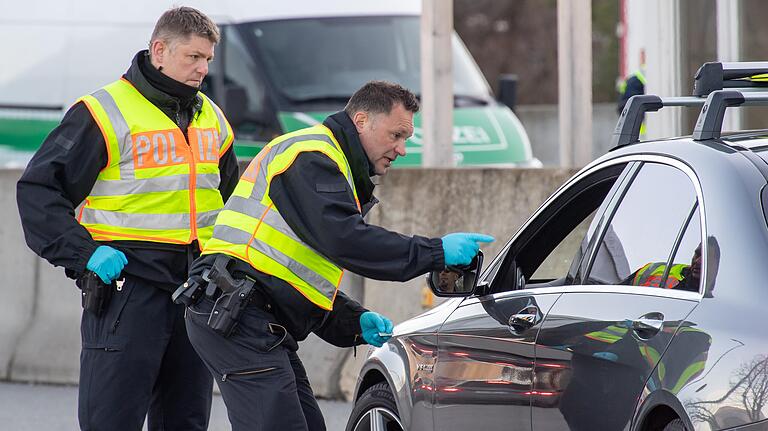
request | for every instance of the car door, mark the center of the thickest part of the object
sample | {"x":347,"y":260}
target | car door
{"x":484,"y":372}
{"x":608,"y":330}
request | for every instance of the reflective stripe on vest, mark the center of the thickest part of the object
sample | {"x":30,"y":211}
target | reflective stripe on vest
{"x":651,"y":274}
{"x":158,"y":185}
{"x":252,"y":229}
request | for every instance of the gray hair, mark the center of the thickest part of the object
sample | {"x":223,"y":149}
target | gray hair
{"x":378,"y":97}
{"x":183,"y":22}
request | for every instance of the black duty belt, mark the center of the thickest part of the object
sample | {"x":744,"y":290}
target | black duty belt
{"x":260,"y":300}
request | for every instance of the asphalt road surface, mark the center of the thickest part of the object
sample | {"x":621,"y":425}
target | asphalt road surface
{"x":26,"y":407}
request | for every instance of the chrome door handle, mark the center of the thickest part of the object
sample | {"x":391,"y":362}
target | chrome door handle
{"x":648,"y":325}
{"x":525,"y":319}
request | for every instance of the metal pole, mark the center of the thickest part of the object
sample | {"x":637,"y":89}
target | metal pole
{"x":574,"y":60}
{"x":729,"y":49}
{"x":436,"y":83}
{"x":661,"y":31}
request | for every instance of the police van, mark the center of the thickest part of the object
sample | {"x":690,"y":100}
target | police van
{"x":280,"y":66}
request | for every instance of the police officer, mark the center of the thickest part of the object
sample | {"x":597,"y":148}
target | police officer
{"x":294,"y":221}
{"x":633,"y":85}
{"x":149,"y":161}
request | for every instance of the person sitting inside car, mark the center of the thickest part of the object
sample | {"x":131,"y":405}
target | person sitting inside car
{"x":681,"y":276}
{"x":447,"y":281}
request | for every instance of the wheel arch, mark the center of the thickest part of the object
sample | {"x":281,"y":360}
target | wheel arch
{"x":658,"y":408}
{"x":371,"y":377}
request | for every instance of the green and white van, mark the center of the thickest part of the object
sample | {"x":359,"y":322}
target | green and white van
{"x":280,"y":66}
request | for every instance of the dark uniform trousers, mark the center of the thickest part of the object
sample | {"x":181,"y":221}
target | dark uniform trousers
{"x":137,"y":361}
{"x":261,"y":378}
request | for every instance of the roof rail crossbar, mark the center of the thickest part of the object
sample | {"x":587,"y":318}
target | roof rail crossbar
{"x":628,"y":128}
{"x":710,"y":122}
{"x":715,"y":76}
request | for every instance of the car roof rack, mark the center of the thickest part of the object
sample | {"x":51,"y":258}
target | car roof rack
{"x":710,"y":122}
{"x":715,"y":76}
{"x":628,"y":128}
{"x":715,"y":87}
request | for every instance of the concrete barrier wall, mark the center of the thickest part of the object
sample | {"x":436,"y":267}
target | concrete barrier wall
{"x":20,"y":268}
{"x":40,"y":310}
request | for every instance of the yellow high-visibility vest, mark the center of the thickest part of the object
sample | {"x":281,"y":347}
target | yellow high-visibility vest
{"x":251,"y":228}
{"x":650,"y":275}
{"x":158,"y":185}
{"x":623,"y":88}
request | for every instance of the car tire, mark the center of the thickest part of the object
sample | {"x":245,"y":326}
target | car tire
{"x":675,"y":425}
{"x":376,"y":404}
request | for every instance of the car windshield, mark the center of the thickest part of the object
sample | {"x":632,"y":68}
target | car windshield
{"x":327,"y":59}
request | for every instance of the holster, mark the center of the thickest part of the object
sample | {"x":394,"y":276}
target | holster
{"x":190,"y":292}
{"x":95,"y":293}
{"x":231,"y":296}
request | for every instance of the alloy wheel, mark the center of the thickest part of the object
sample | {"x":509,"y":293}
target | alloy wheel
{"x":379,"y":419}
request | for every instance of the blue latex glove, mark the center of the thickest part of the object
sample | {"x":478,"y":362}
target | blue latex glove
{"x":107,"y":263}
{"x":461,"y":248}
{"x":372,"y":324}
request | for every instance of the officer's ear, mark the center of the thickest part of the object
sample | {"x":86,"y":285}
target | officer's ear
{"x":361,"y":119}
{"x":158,"y":49}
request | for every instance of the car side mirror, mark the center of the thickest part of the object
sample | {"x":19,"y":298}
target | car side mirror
{"x":235,"y":104}
{"x":456,"y":281}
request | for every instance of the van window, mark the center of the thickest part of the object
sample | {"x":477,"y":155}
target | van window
{"x":239,"y":69}
{"x":324,"y":59}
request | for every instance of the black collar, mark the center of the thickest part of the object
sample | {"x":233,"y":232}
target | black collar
{"x":346,"y":133}
{"x":163,"y":91}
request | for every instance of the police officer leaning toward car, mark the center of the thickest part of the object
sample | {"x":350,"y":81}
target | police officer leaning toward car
{"x":294,"y":221}
{"x":148,"y":162}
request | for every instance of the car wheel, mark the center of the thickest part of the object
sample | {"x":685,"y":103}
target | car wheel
{"x":375,"y":411}
{"x":675,"y":425}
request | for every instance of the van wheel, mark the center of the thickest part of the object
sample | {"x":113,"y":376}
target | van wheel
{"x":375,"y":410}
{"x":675,"y":425}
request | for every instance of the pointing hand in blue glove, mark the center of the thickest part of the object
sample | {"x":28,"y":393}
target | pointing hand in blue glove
{"x":107,"y":263}
{"x":372,"y":324}
{"x":461,"y":248}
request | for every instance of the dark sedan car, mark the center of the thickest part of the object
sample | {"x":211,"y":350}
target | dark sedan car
{"x":633,"y":299}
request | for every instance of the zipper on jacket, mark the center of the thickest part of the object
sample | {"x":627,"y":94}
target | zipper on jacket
{"x":192,"y":193}
{"x":246,"y":373}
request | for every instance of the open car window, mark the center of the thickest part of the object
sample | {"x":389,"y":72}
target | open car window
{"x":544,"y":253}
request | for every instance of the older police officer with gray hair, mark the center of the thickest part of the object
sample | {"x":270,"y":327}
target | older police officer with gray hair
{"x":148,"y":160}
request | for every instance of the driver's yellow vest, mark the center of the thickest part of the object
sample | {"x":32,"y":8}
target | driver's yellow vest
{"x":651,"y":273}
{"x":251,"y":228}
{"x":158,"y":185}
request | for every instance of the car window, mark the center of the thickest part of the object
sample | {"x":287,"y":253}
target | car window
{"x":685,"y":271}
{"x":568,"y":253}
{"x":555,"y":240}
{"x":649,"y":220}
